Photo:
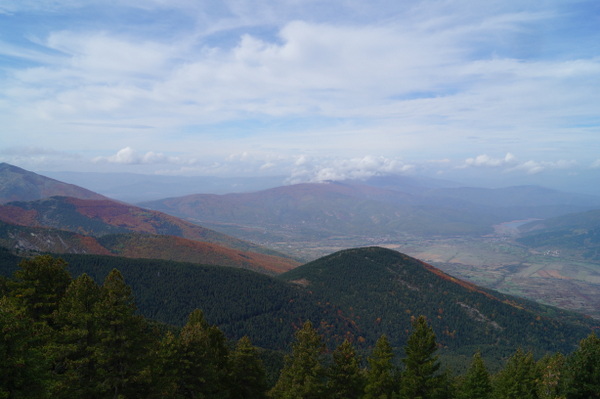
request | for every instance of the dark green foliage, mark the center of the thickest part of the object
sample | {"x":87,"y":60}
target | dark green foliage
{"x":582,"y":371}
{"x":122,"y":337}
{"x":240,"y":302}
{"x":420,"y":378}
{"x":550,"y":371}
{"x":248,"y":378}
{"x":24,"y":370}
{"x":476,"y":383}
{"x":303,"y":375}
{"x":345,"y":379}
{"x":94,"y":345}
{"x":519,"y":377}
{"x":78,"y":341}
{"x":202,"y":360}
{"x":379,"y":290}
{"x":39,"y":284}
{"x":381,"y":376}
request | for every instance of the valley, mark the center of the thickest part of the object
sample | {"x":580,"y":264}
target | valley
{"x":496,"y":261}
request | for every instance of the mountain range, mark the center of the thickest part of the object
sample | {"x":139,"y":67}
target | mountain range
{"x":358,"y":209}
{"x":103,"y":226}
{"x":357,"y":294}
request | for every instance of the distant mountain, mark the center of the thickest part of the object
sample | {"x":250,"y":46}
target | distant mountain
{"x":18,"y":184}
{"x":392,"y":208}
{"x":26,"y":240}
{"x":317,"y":210}
{"x":577,"y":233}
{"x":131,"y":187}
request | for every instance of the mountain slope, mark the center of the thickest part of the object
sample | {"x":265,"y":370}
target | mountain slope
{"x":18,"y":184}
{"x":240,"y":302}
{"x":101,"y":217}
{"x":381,"y":290}
{"x":319,"y":210}
{"x":359,"y":213}
{"x":25,"y":240}
{"x":356,"y":294}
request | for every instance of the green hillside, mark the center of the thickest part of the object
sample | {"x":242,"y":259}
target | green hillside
{"x":239,"y":301}
{"x":357,"y":294}
{"x":381,"y":290}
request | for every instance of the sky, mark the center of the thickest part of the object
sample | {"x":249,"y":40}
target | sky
{"x":503,"y":92}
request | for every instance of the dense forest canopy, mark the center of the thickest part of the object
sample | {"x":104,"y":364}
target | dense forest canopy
{"x":72,"y":337}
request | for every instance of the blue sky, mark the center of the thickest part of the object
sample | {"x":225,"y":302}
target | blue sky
{"x":500,"y":91}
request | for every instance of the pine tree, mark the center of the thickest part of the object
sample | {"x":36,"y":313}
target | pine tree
{"x":24,"y":370}
{"x":550,"y":369}
{"x":123,"y":338}
{"x":476,"y":383}
{"x":162,"y":369}
{"x":77,"y":340}
{"x":303,"y":373}
{"x":582,"y":371}
{"x":518,"y":378}
{"x":39,"y":284}
{"x":248,"y":377}
{"x":202,"y":360}
{"x":420,"y":378}
{"x":381,"y":376}
{"x":345,"y":378}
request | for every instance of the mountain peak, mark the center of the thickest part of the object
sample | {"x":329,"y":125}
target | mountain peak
{"x":17,"y":184}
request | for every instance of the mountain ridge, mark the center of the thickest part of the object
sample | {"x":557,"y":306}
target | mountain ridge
{"x":17,"y":184}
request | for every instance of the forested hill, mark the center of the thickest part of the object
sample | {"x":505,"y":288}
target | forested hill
{"x":382,"y":290}
{"x":357,"y":294}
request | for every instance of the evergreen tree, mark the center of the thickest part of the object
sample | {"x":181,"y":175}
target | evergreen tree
{"x":77,"y":341}
{"x":248,"y":377}
{"x":381,"y":377}
{"x":582,"y":371}
{"x":39,"y":284}
{"x":23,"y":367}
{"x":420,"y":378}
{"x":163,"y":368}
{"x":550,"y":369}
{"x":518,"y":378}
{"x":476,"y":383}
{"x":202,"y":357}
{"x":303,"y":373}
{"x":345,"y":378}
{"x":123,"y":339}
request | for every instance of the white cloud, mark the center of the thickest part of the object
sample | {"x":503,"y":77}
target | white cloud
{"x":320,"y":170}
{"x":535,"y":167}
{"x":487,"y":161}
{"x":129,"y":156}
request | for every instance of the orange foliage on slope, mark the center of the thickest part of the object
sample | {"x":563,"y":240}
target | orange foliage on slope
{"x":19,"y":216}
{"x":181,"y":249}
{"x":462,"y":283}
